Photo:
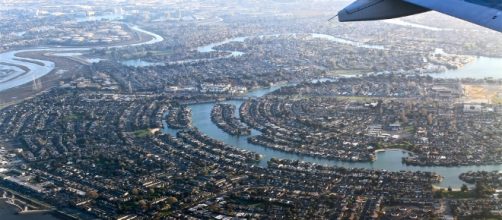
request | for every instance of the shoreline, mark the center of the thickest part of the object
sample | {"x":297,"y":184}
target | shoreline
{"x":390,"y":159}
{"x":392,"y":149}
{"x":9,"y":212}
{"x":45,"y":65}
{"x":47,"y":211}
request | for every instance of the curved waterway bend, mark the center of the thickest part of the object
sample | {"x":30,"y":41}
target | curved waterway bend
{"x":483,"y":67}
{"x":234,"y":53}
{"x":390,"y":160}
{"x":28,"y":69}
{"x":211,"y":47}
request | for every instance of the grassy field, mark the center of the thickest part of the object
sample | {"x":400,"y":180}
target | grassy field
{"x":142,"y":133}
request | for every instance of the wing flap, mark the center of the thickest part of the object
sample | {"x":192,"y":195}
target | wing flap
{"x":481,"y":12}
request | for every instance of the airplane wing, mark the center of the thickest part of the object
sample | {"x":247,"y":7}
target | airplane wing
{"x":487,"y":13}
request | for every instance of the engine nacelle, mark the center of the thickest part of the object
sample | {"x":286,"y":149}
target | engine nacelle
{"x":364,"y":10}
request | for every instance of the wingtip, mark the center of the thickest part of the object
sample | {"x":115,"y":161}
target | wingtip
{"x":333,"y":18}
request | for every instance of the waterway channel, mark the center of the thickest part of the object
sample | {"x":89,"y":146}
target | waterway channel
{"x":390,"y":160}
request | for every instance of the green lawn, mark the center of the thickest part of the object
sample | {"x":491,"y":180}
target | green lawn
{"x":73,"y":117}
{"x":142,"y":133}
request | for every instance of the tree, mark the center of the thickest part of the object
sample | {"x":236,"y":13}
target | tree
{"x":37,"y":179}
{"x":464,"y":188}
{"x":403,"y":117}
{"x":430,"y":119}
{"x":171,"y":200}
{"x":205,"y":171}
{"x":230,"y":210}
{"x":142,"y":204}
{"x":93,"y":194}
{"x":135,"y":191}
{"x":453,"y":124}
{"x":423,"y":111}
{"x":166,"y":207}
{"x":482,"y":190}
{"x":439,"y":194}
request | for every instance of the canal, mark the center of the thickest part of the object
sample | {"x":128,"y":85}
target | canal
{"x":390,"y":160}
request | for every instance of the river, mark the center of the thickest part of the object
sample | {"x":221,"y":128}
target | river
{"x":234,"y":53}
{"x":390,"y":160}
